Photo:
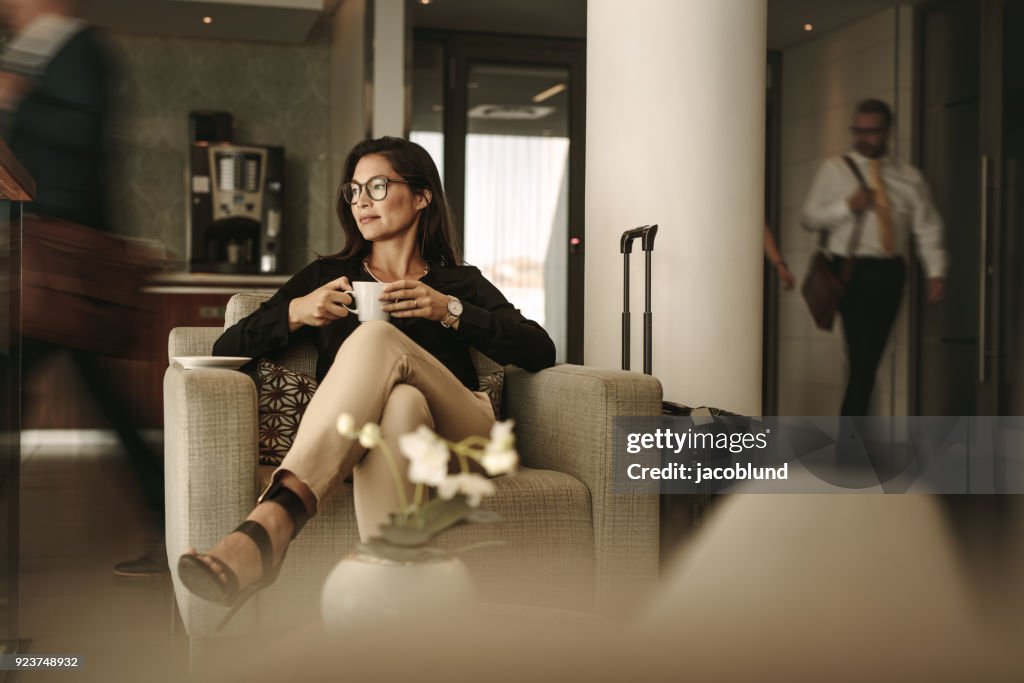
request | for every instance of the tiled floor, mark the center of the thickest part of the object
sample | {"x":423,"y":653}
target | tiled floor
{"x":81,"y":514}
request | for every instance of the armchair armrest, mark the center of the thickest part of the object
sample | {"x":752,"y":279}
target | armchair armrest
{"x":210,"y":457}
{"x":192,"y":341}
{"x":564,"y":422}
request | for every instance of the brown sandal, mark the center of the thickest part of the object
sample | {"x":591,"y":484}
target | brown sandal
{"x":206,"y":582}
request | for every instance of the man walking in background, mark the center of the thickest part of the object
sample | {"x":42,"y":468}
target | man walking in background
{"x":888,"y":200}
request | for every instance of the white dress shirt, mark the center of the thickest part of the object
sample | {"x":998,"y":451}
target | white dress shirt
{"x":911,"y":203}
{"x":31,"y":50}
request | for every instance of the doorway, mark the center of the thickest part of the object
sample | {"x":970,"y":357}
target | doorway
{"x":504,"y":119}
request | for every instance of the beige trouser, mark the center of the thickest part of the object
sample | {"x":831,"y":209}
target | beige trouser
{"x":379,"y":375}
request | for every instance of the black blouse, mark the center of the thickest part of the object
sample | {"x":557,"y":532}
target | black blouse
{"x":489,"y":323}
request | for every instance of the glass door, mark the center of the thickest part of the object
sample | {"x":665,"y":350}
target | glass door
{"x":508,"y":135}
{"x":516,"y":206}
{"x":949,"y":155}
{"x":1011,"y":231}
{"x":970,"y":347}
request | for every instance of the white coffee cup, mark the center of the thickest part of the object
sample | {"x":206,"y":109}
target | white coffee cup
{"x":366,"y":301}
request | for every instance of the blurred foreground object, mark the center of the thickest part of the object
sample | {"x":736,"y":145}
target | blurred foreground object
{"x":81,"y":288}
{"x":834,"y":587}
{"x":54,"y":87}
{"x":81,"y":295}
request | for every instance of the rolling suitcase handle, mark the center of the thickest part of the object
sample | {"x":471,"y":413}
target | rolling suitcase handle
{"x":626,"y":247}
{"x":646,"y":233}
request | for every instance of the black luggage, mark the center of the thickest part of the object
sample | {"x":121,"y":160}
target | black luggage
{"x":680,"y":513}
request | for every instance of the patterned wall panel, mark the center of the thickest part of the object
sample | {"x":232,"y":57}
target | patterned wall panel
{"x":278,"y":96}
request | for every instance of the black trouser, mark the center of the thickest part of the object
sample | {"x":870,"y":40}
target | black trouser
{"x":868,"y":311}
{"x":117,"y":408}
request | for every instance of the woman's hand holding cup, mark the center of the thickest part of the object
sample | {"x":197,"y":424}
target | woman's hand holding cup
{"x":413,"y":299}
{"x":320,"y":307}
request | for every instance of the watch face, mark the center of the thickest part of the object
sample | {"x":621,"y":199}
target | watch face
{"x":455,"y":307}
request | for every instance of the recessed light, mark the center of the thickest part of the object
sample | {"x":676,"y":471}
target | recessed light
{"x":424,"y":2}
{"x":808,"y":27}
{"x":207,"y":20}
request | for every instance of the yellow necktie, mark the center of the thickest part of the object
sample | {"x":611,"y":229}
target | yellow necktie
{"x":883,"y":210}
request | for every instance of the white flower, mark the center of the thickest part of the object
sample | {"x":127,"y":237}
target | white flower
{"x":473,"y":486}
{"x":500,"y":462}
{"x":346,"y":425}
{"x":428,"y":456}
{"x":369,"y":435}
{"x":500,"y":456}
{"x":501,"y":433}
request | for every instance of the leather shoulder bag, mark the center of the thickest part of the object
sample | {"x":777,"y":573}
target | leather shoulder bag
{"x":823,"y":288}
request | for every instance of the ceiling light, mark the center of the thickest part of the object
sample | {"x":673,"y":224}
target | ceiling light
{"x":550,"y":92}
{"x":424,"y":2}
{"x":808,"y":27}
{"x":509,"y":112}
{"x":207,"y":20}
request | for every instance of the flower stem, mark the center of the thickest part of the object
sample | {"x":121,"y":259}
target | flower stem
{"x":395,"y":474}
{"x":463,"y":462}
{"x":418,"y":497}
{"x":472,"y":440}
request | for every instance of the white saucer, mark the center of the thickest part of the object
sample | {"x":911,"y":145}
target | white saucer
{"x":194,"y":362}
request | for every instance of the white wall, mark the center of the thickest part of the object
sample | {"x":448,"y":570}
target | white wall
{"x":350,"y":111}
{"x":389,"y":58}
{"x":368,"y":94}
{"x":675,"y":136}
{"x":822,"y":81}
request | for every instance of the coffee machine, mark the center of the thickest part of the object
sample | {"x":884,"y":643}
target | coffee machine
{"x":236,"y":194}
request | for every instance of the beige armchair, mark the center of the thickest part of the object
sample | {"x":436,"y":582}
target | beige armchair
{"x":570,"y":541}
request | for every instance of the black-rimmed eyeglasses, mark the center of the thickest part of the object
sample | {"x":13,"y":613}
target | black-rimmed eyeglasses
{"x":376,"y":188}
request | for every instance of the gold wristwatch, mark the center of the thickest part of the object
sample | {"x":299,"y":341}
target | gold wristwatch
{"x":454,"y":311}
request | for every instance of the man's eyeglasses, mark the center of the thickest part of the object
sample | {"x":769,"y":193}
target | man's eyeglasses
{"x":376,"y":188}
{"x":866,"y":131}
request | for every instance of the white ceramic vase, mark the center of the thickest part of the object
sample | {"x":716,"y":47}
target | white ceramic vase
{"x":366,"y":590}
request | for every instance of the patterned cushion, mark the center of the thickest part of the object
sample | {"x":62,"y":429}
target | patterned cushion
{"x":491,"y":384}
{"x":283,"y":397}
{"x":284,"y":394}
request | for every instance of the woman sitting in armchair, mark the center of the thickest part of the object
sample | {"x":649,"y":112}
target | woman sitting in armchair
{"x":412,"y":370}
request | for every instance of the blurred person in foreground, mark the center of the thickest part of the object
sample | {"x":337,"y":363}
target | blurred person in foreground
{"x":54,"y":110}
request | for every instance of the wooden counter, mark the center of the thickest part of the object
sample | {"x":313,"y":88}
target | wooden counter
{"x":175,"y":283}
{"x":177,"y":300}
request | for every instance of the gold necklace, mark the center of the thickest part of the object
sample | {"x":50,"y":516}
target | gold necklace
{"x":366,"y":265}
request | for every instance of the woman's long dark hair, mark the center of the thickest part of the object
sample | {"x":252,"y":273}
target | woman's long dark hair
{"x":437,"y":240}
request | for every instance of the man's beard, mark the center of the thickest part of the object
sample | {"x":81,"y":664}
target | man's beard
{"x":871,"y":151}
